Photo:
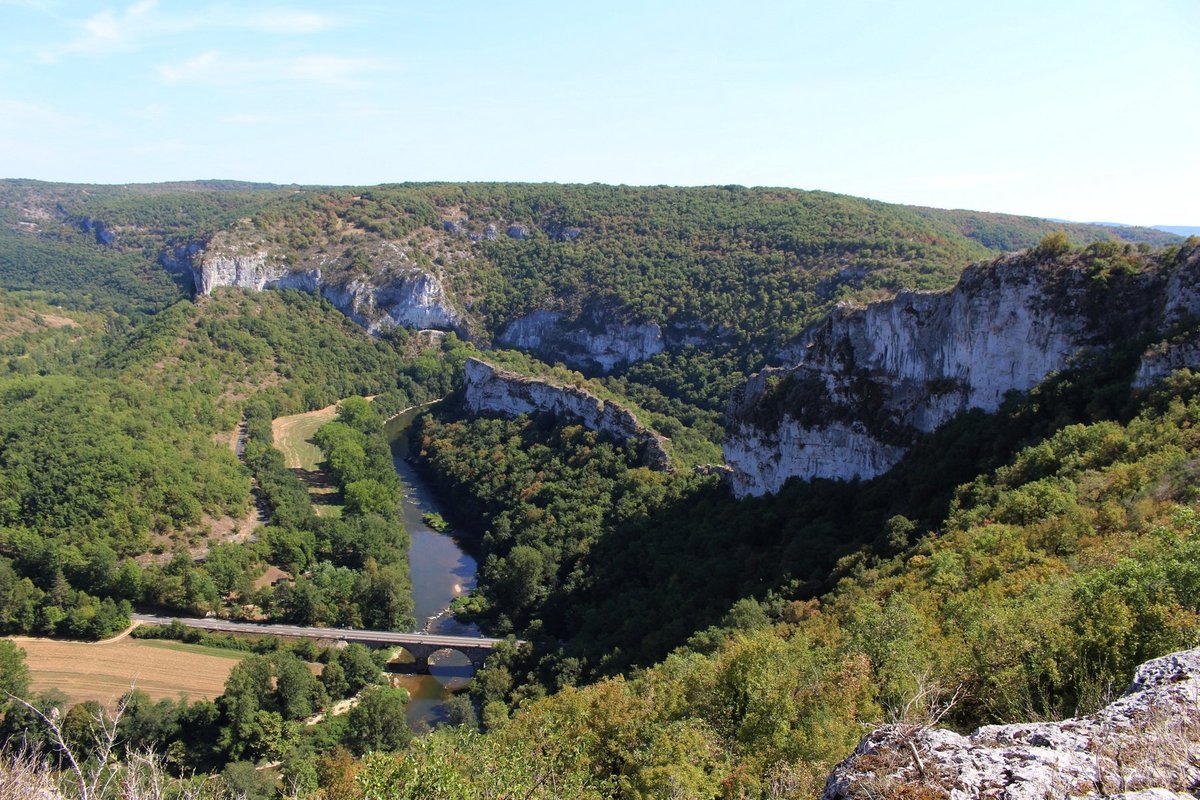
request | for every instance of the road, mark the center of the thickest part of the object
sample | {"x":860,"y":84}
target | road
{"x":336,"y":634}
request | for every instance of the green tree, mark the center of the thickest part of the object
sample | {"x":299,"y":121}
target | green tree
{"x":368,"y":496}
{"x":14,"y":675}
{"x":378,"y":722}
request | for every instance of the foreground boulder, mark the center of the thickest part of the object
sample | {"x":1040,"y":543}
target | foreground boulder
{"x":1144,"y":745}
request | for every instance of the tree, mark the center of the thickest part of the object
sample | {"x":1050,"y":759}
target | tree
{"x":243,"y":779}
{"x":358,"y":668}
{"x":14,"y":675}
{"x":333,"y":678}
{"x":357,"y":412}
{"x":368,"y":496}
{"x":298,"y":693}
{"x":378,"y":721}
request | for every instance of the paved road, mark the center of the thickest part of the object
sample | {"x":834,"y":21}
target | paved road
{"x":343,"y":634}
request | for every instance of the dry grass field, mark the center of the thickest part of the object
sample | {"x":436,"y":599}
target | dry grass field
{"x":104,"y":671}
{"x":14,"y":322}
{"x":293,"y":437}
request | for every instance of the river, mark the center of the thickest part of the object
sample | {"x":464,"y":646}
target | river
{"x":441,"y":570}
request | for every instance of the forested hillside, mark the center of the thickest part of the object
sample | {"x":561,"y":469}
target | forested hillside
{"x":120,"y":479}
{"x":678,"y":294}
{"x":1047,"y":581}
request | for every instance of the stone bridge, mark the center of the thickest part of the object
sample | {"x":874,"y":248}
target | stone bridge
{"x":420,"y":645}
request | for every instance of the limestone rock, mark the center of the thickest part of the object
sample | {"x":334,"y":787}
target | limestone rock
{"x":255,"y":269}
{"x":1146,"y":745}
{"x":400,"y":296}
{"x":587,"y":343}
{"x":414,"y":299}
{"x":865,"y":382}
{"x":493,"y":390}
{"x":103,"y":234}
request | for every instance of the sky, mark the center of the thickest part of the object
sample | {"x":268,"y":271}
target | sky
{"x":1086,"y":110}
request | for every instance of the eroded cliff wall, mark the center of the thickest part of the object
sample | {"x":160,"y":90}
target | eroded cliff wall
{"x":396,"y":293}
{"x":864,"y":383}
{"x":489,"y":389}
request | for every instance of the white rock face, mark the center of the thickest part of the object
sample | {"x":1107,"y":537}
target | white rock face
{"x":606,"y":346}
{"x":410,"y":297}
{"x":1145,"y":745}
{"x":256,"y":270}
{"x":868,"y":380}
{"x":493,"y":390}
{"x":902,"y":366}
{"x":762,"y":461}
{"x":415,"y":300}
{"x":1164,"y":358}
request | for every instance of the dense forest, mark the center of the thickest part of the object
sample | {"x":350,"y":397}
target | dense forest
{"x":1014,"y":566}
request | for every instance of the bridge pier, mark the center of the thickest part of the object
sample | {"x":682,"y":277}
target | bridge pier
{"x":420,"y":655}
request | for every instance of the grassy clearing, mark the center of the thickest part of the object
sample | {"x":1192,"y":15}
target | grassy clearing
{"x":195,"y":649}
{"x":103,"y":672}
{"x":293,"y":437}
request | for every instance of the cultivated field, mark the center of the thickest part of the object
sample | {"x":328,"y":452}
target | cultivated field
{"x":105,"y":671}
{"x":293,"y":437}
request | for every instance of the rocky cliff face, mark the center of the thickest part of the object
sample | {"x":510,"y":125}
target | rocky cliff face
{"x":602,"y":346}
{"x":415,"y":299}
{"x":595,"y":342}
{"x":1145,"y":745}
{"x":868,"y":380}
{"x":398,"y":295}
{"x":490,"y":389}
{"x":256,"y":270}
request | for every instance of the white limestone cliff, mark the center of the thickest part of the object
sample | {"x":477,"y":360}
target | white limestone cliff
{"x":489,"y":389}
{"x":865,"y":382}
{"x":399,"y":295}
{"x":602,"y":346}
{"x":414,"y":299}
{"x":256,"y":270}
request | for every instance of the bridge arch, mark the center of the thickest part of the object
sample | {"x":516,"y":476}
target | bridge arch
{"x":421,"y":653}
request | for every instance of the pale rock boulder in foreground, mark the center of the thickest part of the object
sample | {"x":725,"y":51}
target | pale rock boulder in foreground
{"x":1146,"y":745}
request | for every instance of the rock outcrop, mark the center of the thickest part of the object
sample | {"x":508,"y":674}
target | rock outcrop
{"x":489,"y":389}
{"x":103,"y":234}
{"x":601,"y":345}
{"x":1144,"y":745}
{"x":595,"y":341}
{"x":868,"y":380}
{"x":399,"y":294}
{"x":414,"y":299}
{"x":255,"y":269}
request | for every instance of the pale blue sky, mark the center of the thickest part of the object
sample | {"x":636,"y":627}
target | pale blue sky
{"x":1082,"y":109}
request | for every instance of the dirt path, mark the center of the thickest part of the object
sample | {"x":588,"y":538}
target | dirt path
{"x":122,"y":635}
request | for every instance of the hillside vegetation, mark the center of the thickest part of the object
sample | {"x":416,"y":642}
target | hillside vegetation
{"x":1049,"y":580}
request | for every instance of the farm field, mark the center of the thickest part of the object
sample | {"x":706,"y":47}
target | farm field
{"x":105,"y":671}
{"x":293,"y":437}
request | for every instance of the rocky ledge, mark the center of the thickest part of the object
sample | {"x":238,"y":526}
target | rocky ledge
{"x":490,"y":389}
{"x":594,"y":340}
{"x":867,"y":381}
{"x":398,"y":294}
{"x":1145,"y":745}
